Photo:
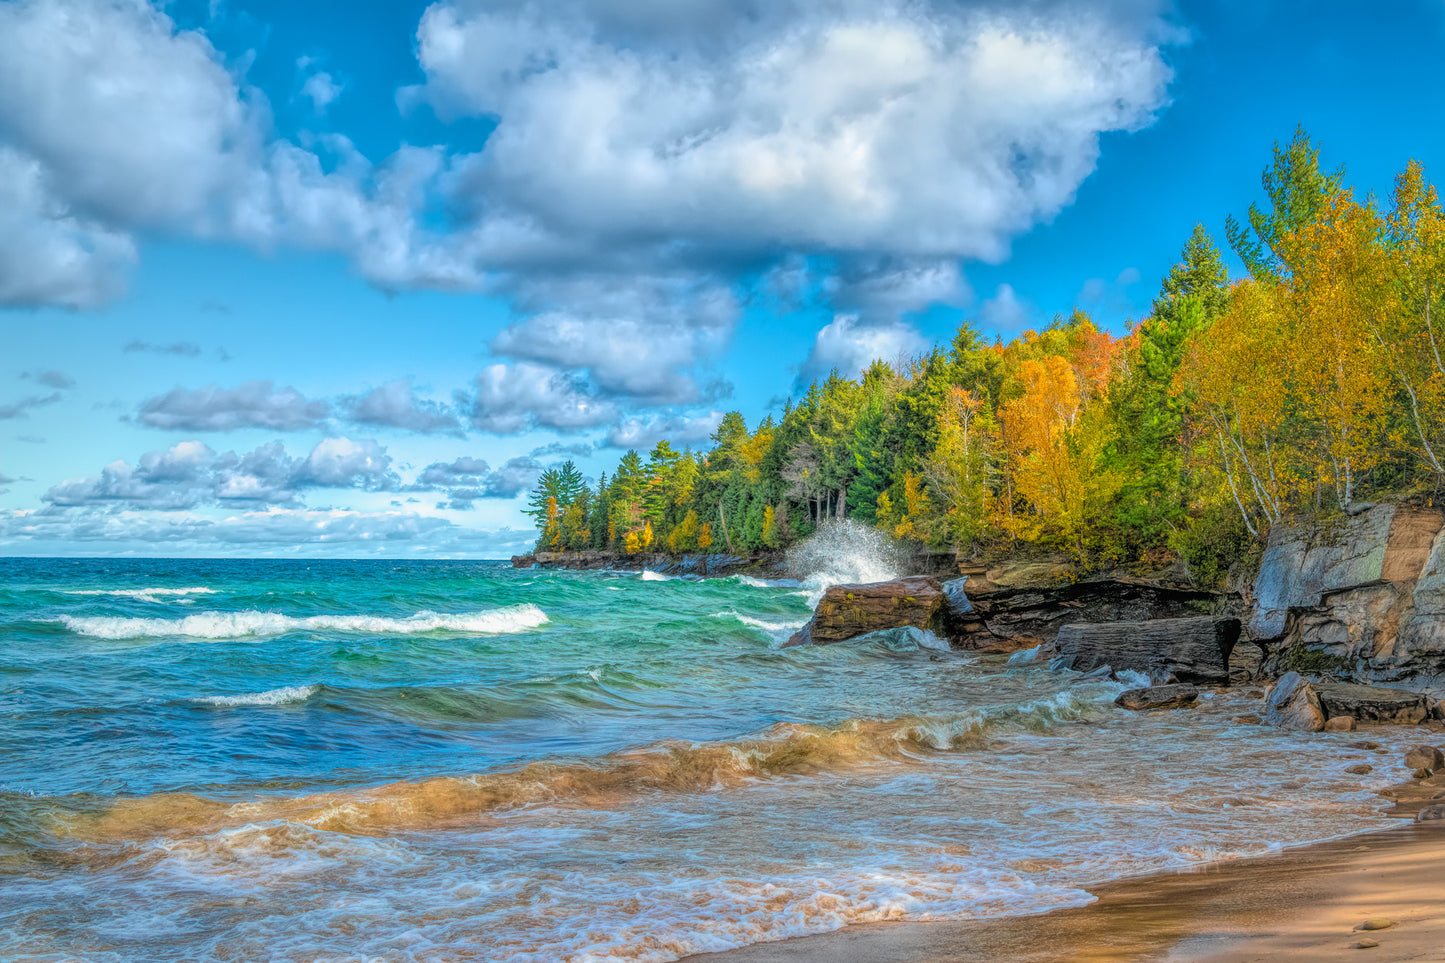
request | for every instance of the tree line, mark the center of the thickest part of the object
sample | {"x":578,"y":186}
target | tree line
{"x":1314,"y":381}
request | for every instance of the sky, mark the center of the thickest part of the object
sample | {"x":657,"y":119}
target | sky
{"x":341,"y":278}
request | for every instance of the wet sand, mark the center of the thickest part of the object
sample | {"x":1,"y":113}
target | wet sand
{"x":1299,"y":904}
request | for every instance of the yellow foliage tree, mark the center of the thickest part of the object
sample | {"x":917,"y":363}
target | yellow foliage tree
{"x":1054,"y":452}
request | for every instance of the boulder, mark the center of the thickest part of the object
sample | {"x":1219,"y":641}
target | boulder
{"x":848,"y":611}
{"x":1340,"y":724}
{"x":1192,"y":650}
{"x":1431,"y":814}
{"x":1157,"y":697}
{"x":1368,"y":703}
{"x":1425,"y":757}
{"x":1294,"y":704}
{"x":1363,"y":769}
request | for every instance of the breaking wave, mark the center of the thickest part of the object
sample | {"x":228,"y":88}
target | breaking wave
{"x":271,"y":697}
{"x":845,"y":552}
{"x":144,"y":594}
{"x":233,"y":625}
{"x":784,"y":749}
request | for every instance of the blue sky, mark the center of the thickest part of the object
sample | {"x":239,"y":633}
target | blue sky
{"x":340,"y":278}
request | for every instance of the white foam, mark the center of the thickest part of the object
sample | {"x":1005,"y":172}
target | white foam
{"x":1133,"y":679}
{"x":648,"y":575}
{"x":751,"y":582}
{"x":233,"y":625}
{"x":271,"y":697}
{"x":843,"y":553}
{"x":1025,"y":655}
{"x":145,"y":594}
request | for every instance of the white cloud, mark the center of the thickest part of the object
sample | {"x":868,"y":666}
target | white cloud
{"x":510,"y":399}
{"x":273,"y":531}
{"x":643,"y":434}
{"x":252,"y":404}
{"x":321,"y":89}
{"x":849,"y":345}
{"x":190,"y":474}
{"x":396,"y":405}
{"x":113,"y":122}
{"x":49,"y":254}
{"x":638,"y":339}
{"x":921,"y":129}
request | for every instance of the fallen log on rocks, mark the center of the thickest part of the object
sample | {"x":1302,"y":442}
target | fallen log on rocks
{"x":1192,"y":650}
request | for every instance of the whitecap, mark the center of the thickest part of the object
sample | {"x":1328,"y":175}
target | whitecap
{"x":146,"y":594}
{"x":271,"y":697}
{"x":232,"y":625}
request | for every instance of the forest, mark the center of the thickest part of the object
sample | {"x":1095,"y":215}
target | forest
{"x":1310,"y":384}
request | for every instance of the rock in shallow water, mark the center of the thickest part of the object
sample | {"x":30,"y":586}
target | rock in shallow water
{"x":1340,"y":724}
{"x":1294,"y":704}
{"x":1431,"y":814}
{"x":1157,"y":697}
{"x":848,"y":611}
{"x":1425,"y":757}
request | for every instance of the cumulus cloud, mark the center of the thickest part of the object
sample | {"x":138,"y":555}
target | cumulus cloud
{"x":635,"y":339}
{"x":253,"y":404}
{"x":184,"y":349}
{"x":510,"y":399}
{"x":191,"y":474}
{"x":849,"y":344}
{"x":923,"y":129}
{"x":648,"y":160}
{"x":396,"y":405}
{"x":113,"y":121}
{"x":678,"y":429}
{"x":317,"y":86}
{"x":269,"y":531}
{"x":50,"y":253}
{"x":466,"y":480}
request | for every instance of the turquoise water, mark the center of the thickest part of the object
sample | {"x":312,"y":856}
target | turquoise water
{"x":302,"y":760}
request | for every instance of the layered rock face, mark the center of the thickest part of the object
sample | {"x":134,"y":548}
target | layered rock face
{"x":1364,"y":597}
{"x":1018,"y":618}
{"x":1008,"y":619}
{"x":1193,"y":650}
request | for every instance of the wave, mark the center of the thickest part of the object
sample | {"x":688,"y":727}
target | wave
{"x":783,"y":750}
{"x":648,"y":575}
{"x":751,"y":582}
{"x":143,"y":594}
{"x":779,"y":632}
{"x":233,"y":625}
{"x":271,"y":697}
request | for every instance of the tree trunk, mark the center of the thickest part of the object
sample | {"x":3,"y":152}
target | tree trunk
{"x":723,"y":519}
{"x":843,"y":503}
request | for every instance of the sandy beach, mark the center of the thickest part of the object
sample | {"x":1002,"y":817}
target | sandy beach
{"x":1306,"y":903}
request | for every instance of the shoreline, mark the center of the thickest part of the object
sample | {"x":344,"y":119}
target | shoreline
{"x":1298,"y":903}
